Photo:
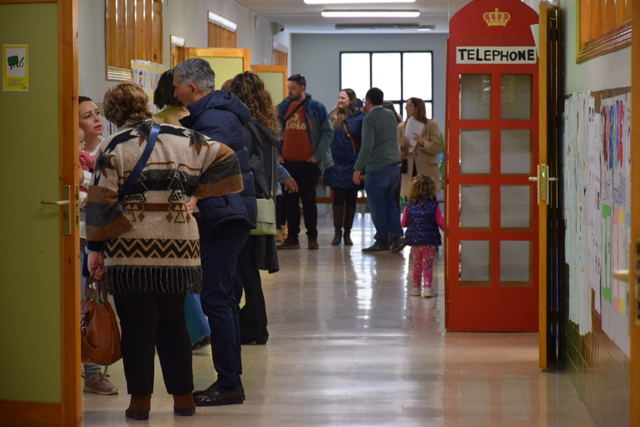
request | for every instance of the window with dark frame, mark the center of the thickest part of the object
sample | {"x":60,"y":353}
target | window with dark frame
{"x":400,"y":74}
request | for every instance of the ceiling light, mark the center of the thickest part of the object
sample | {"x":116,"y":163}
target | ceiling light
{"x":356,"y":1}
{"x":222,"y":21}
{"x":378,"y":26}
{"x":370,"y":13}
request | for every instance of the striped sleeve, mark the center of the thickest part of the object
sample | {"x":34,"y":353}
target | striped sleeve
{"x":105,"y":217}
{"x":221,"y":174}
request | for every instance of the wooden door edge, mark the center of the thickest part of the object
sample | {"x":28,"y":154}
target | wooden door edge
{"x":543,"y":361}
{"x":634,"y":328}
{"x":71,"y":406}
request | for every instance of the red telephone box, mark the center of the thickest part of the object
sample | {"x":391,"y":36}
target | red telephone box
{"x":492,"y":129}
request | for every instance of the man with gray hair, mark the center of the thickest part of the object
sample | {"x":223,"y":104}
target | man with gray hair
{"x":224,"y":223}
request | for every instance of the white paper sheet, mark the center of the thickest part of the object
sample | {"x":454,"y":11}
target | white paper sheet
{"x":413,"y":128}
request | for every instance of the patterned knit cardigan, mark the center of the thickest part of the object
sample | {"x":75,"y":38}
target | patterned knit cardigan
{"x":150,"y":242}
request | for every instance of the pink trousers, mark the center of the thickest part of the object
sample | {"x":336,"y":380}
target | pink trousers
{"x":422,"y":258}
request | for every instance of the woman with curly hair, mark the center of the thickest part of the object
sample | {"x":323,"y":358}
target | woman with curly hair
{"x":146,"y":242}
{"x":346,"y":119}
{"x":259,"y":253}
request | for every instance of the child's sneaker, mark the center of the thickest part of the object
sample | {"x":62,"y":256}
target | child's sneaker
{"x":99,"y":383}
{"x":427,"y":292}
{"x":414,"y":291}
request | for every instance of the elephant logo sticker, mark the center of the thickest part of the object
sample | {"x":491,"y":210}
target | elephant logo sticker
{"x":15,"y":68}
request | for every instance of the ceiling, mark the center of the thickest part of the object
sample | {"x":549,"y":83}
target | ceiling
{"x":297,"y":17}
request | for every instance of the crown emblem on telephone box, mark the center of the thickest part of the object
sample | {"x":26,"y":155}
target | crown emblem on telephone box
{"x":496,"y":18}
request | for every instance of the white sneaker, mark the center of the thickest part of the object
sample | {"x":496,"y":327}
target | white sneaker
{"x":414,"y":291}
{"x":427,"y":292}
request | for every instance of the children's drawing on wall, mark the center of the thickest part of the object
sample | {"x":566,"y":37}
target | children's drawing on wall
{"x":596,"y":184}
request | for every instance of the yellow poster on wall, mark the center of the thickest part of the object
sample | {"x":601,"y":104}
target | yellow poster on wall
{"x":15,"y":68}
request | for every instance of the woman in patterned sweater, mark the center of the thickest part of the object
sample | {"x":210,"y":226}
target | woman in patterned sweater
{"x":148,"y":244}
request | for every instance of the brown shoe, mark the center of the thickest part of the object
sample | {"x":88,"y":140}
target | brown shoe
{"x":184,"y":405}
{"x":313,"y":243}
{"x":139,"y":407}
{"x":290,"y":243}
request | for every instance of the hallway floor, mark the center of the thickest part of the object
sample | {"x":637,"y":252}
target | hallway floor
{"x":349,"y":347}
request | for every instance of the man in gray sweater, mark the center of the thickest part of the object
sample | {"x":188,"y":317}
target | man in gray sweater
{"x":379,"y":159}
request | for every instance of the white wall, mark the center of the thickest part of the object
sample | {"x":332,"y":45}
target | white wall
{"x":184,"y":18}
{"x":317,"y":56}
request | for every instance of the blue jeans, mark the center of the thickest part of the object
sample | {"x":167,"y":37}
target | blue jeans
{"x":89,"y":368}
{"x":197,"y":322}
{"x":382,"y":186}
{"x":220,"y":297}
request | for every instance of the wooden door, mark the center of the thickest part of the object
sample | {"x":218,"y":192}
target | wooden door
{"x":39,"y":267}
{"x":492,"y":217}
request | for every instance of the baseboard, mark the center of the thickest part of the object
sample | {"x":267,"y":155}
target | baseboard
{"x":21,"y":413}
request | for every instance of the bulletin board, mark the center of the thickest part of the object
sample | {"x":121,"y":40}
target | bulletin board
{"x":147,"y":74}
{"x":596,"y":143}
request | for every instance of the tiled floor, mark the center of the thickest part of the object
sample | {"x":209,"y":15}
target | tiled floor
{"x":349,"y":347}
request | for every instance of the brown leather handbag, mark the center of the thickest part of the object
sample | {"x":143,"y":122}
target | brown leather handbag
{"x":99,"y":331}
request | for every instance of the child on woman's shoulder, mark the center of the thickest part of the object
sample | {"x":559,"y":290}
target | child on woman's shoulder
{"x":422,"y":217}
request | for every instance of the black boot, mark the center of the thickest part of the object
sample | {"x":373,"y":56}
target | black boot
{"x":349,"y":214}
{"x":338,"y":220}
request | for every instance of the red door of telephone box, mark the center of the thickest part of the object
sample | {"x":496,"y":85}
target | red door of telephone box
{"x":492,"y":129}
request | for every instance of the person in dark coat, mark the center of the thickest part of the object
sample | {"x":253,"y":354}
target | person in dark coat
{"x":224,"y":224}
{"x":259,"y":253}
{"x":346,"y":119}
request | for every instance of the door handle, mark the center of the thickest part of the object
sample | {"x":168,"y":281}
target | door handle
{"x":65,"y":204}
{"x":55,"y":202}
{"x":542,"y":180}
{"x":622,"y":275}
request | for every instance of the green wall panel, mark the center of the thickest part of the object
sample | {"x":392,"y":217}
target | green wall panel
{"x":274,"y":84}
{"x":30,"y":359}
{"x":225,"y":68}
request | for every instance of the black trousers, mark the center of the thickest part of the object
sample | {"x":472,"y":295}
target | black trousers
{"x":220,"y":297}
{"x":150,"y":321}
{"x":253,"y":315}
{"x":344,"y":196}
{"x":306,"y":175}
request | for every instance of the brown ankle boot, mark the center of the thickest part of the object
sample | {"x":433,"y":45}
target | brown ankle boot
{"x":139,"y":407}
{"x":338,"y":221}
{"x":347,"y":238}
{"x":184,"y":405}
{"x":349,"y":214}
{"x":337,"y":237}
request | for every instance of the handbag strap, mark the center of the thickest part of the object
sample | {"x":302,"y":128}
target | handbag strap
{"x":286,"y":119}
{"x":142,"y":162}
{"x":354,"y":144}
{"x":96,"y":289}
